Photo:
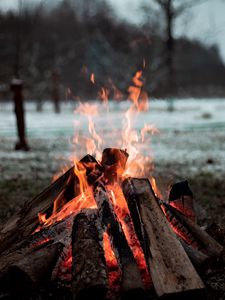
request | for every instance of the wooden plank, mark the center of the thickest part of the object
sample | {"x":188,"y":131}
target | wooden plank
{"x":172,"y":273}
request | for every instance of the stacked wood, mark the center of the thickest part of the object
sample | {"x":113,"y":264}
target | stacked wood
{"x":114,"y":162}
{"x":26,"y":271}
{"x":198,"y":259}
{"x":191,"y":232}
{"x":131,"y":282}
{"x":26,"y":220}
{"x":35,"y":268}
{"x":171,"y":270}
{"x":181,"y":197}
{"x":89,"y":274}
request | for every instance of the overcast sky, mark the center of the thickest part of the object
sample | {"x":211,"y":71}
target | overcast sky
{"x":205,"y":22}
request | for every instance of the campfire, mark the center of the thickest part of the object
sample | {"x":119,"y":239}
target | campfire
{"x":104,"y":231}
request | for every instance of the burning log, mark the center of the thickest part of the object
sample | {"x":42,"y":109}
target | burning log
{"x":89,"y":274}
{"x":191,"y":232}
{"x":171,"y":270}
{"x":114,"y":162}
{"x":181,"y":197}
{"x":131,"y":283}
{"x":26,"y":221}
{"x":33,"y":269}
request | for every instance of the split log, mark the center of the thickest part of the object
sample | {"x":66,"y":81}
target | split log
{"x":191,"y":232}
{"x":131,"y":283}
{"x":26,"y":221}
{"x":181,"y":197}
{"x":34,"y":269}
{"x":114,"y":162}
{"x":172,"y":273}
{"x":89,"y":274}
{"x":130,"y":196}
{"x":198,"y":259}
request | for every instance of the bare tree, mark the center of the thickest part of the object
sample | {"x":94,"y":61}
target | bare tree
{"x":172,"y":9}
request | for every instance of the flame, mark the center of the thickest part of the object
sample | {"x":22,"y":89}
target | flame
{"x":136,"y":94}
{"x":92,"y":78}
{"x":122,"y":211}
{"x":112,"y":264}
{"x":132,"y":141}
{"x":155,"y":188}
{"x":148,"y":128}
{"x":104,"y":95}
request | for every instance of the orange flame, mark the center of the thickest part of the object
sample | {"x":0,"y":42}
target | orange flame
{"x":123,"y":214}
{"x":114,"y":272}
{"x":92,"y":78}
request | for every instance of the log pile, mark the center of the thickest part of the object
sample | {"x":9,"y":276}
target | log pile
{"x":70,"y":246}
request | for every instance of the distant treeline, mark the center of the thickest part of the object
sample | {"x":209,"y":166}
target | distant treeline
{"x":61,"y":48}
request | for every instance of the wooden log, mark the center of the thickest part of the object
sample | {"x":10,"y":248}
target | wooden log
{"x":89,"y":274}
{"x":172,"y":273}
{"x":26,"y":221}
{"x":200,"y":260}
{"x":34,"y":269}
{"x":114,"y":162}
{"x":181,"y":197}
{"x":131,"y":283}
{"x":196,"y":235}
{"x":130,"y":196}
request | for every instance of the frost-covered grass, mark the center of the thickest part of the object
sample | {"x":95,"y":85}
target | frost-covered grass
{"x":191,"y":145}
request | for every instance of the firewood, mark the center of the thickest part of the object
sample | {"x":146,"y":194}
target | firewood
{"x":200,"y":260}
{"x":201,"y":239}
{"x":89,"y":274}
{"x":34,"y":269}
{"x":181,"y":197}
{"x":26,"y":220}
{"x":172,"y":273}
{"x":130,"y":279}
{"x":130,"y":196}
{"x":114,"y":162}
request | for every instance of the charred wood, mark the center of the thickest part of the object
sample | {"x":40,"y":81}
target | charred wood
{"x":198,"y":237}
{"x":181,"y":197}
{"x":89,"y":274}
{"x":172,"y":273}
{"x":130,"y":279}
{"x":34,"y":269}
{"x":114,"y":162}
{"x":26,"y":221}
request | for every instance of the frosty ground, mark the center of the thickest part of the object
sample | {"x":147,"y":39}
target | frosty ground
{"x":190,"y":145}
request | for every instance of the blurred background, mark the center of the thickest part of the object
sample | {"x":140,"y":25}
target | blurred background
{"x":55,"y":54}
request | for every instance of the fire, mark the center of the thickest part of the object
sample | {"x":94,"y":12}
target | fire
{"x":129,"y":139}
{"x":92,"y":78}
{"x":104,"y":95}
{"x":122,"y":211}
{"x":155,"y":188}
{"x":111,"y":262}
